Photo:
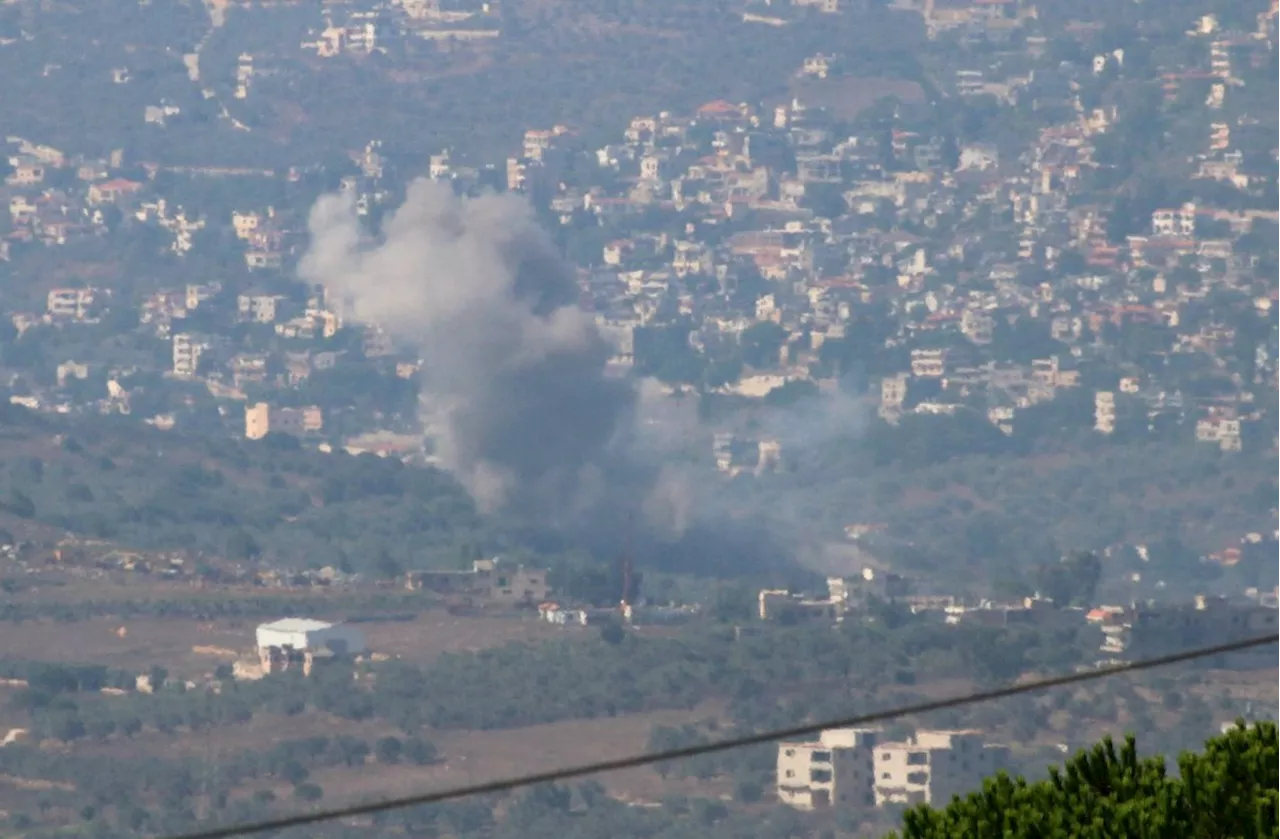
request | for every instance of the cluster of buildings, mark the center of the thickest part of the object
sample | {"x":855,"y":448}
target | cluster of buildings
{"x":365,"y":28}
{"x":783,"y":244}
{"x":1140,"y":629}
{"x":858,"y":769}
{"x":848,"y":597}
{"x":488,"y":581}
{"x":956,"y":253}
{"x":1147,"y":630}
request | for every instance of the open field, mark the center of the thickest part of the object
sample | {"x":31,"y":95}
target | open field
{"x":466,"y":756}
{"x":477,"y":756}
{"x":191,"y":648}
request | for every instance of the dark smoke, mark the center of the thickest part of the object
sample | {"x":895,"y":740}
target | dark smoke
{"x":513,"y":370}
{"x":514,"y":386}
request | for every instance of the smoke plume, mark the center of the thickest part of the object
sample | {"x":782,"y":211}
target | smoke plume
{"x":512,"y":369}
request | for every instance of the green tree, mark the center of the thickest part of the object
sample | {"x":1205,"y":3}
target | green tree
{"x":308,"y":792}
{"x":420,"y":751}
{"x":20,"y":504}
{"x":1073,"y":580}
{"x":749,"y":791}
{"x":761,"y":344}
{"x":386,"y":566}
{"x":294,"y":772}
{"x":613,"y":633}
{"x":241,"y":545}
{"x":388,"y":750}
{"x":1230,"y":789}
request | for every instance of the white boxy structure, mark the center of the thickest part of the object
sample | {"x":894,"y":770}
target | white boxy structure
{"x":302,"y":640}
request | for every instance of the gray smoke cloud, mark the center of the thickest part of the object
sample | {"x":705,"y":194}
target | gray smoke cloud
{"x":513,"y":370}
{"x":515,"y":391}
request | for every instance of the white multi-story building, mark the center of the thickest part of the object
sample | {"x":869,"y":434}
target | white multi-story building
{"x":258,"y":307}
{"x":836,"y":770}
{"x":71,"y":303}
{"x":1104,"y":412}
{"x":893,"y":392}
{"x":934,"y":767}
{"x":1179,"y":222}
{"x":187,"y":349}
{"x":929,"y":364}
{"x":1223,"y":430}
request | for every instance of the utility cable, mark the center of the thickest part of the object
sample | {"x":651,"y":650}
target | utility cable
{"x":808,"y":729}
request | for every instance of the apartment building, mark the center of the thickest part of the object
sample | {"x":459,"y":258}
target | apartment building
{"x":1174,"y":222}
{"x":1159,"y":629}
{"x":934,"y":767}
{"x":929,"y":364}
{"x":893,"y":392}
{"x":1223,"y":430}
{"x":785,"y":606}
{"x":71,"y":303}
{"x":261,"y":419}
{"x":197,"y":293}
{"x":260,"y":308}
{"x":1104,"y":412}
{"x":836,"y":770}
{"x":187,"y":349}
{"x":489,"y":581}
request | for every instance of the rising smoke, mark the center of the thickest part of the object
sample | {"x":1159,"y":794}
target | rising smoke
{"x":514,"y":385}
{"x":513,"y":371}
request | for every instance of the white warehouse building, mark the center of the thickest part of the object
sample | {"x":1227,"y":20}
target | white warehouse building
{"x":303,"y":635}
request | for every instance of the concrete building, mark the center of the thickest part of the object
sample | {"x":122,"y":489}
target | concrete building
{"x":1161,"y":629}
{"x":836,"y":770}
{"x":71,"y":303}
{"x":870,"y":584}
{"x":934,"y":767}
{"x":291,"y":642}
{"x":787,"y":607}
{"x":929,"y":364}
{"x":490,"y":581}
{"x":893,"y":392}
{"x":1104,"y":412}
{"x":260,"y":419}
{"x":1174,"y":222}
{"x":197,"y":293}
{"x":260,"y":308}
{"x":187,"y":350}
{"x":843,"y":595}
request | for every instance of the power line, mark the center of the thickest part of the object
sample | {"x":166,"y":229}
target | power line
{"x":507,"y":784}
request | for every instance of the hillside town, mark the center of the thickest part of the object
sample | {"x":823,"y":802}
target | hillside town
{"x":760,"y":251}
{"x":963,"y":367}
{"x":757,"y":253}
